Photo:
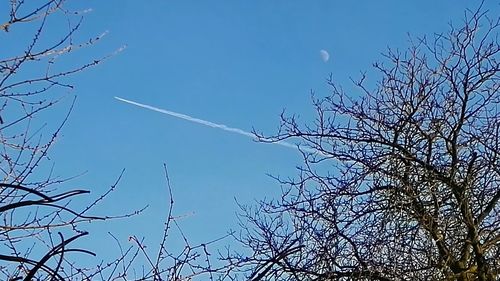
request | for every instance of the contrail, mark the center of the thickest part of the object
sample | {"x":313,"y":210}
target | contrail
{"x":210,"y":124}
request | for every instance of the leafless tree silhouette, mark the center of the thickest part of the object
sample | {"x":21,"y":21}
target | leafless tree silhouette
{"x":39,"y":217}
{"x":39,"y":222}
{"x":404,"y":184}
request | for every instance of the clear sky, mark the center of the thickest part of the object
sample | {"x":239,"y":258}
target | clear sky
{"x":237,"y":63}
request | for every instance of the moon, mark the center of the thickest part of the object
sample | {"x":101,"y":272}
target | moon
{"x":325,"y":56}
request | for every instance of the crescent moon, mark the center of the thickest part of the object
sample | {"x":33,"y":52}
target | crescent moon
{"x":325,"y":56}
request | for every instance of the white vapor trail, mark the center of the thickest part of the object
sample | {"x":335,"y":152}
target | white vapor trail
{"x":208,"y":123}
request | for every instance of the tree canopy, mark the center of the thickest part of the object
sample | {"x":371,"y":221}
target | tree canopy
{"x":404,"y":180}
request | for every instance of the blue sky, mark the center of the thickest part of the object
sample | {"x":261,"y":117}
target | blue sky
{"x":238,"y":63}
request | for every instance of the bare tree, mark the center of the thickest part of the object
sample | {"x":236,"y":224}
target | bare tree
{"x":405,"y":180}
{"x":38,"y":219}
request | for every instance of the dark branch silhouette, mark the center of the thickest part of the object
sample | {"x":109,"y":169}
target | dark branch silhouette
{"x":400,"y":179}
